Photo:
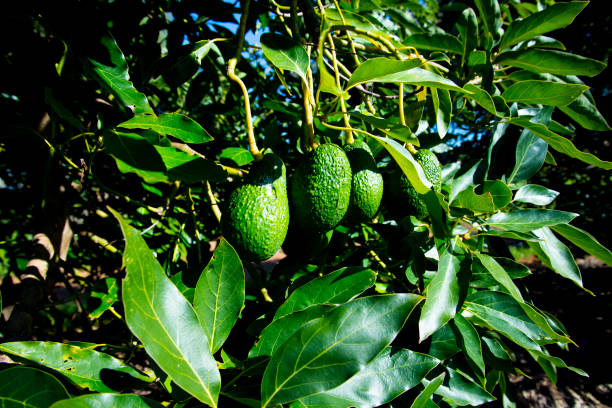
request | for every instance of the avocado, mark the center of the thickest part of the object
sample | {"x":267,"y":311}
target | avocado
{"x":320,"y":189}
{"x":257,"y":215}
{"x":404,"y":197}
{"x":366,"y":185}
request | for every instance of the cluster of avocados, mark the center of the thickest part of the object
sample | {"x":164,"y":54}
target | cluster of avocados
{"x":330,"y":185}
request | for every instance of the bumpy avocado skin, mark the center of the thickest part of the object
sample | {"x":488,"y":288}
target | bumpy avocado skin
{"x":320,"y":189}
{"x":257,"y":215}
{"x":366,"y":185}
{"x":405,"y":197}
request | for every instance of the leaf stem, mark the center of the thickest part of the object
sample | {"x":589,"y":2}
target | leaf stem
{"x":214,"y":205}
{"x":349,"y":134}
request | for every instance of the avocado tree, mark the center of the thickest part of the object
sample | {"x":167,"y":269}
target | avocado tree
{"x":286,"y":203}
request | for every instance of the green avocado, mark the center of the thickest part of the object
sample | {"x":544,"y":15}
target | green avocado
{"x":366,"y":185}
{"x":404,"y":197}
{"x":257,"y":215}
{"x":320,"y":189}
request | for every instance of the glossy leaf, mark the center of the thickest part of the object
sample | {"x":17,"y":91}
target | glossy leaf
{"x":560,"y":143}
{"x":424,"y":397}
{"x":107,"y":298}
{"x":530,"y":150}
{"x":467,"y":26}
{"x":407,"y":163}
{"x":29,"y":388}
{"x":336,"y":287}
{"x":134,"y":154}
{"x":391,"y":129}
{"x":328,"y":351}
{"x":484,"y":99}
{"x":434,"y":42}
{"x":490,"y":15}
{"x":285,"y":53}
{"x":108,"y":400}
{"x":187,"y":167}
{"x":482,"y":278}
{"x":275,"y":334}
{"x":164,"y":321}
{"x":524,"y":236}
{"x":584,"y":241}
{"x":174,"y":124}
{"x":530,"y":219}
{"x":535,"y":194}
{"x":238,"y":155}
{"x":470,"y":343}
{"x":586,"y":114}
{"x":500,"y":275}
{"x":551,"y":18}
{"x":493,"y":195}
{"x":219,"y":294}
{"x":84,"y":367}
{"x":554,"y":254}
{"x":443,"y":109}
{"x":551,"y":61}
{"x":444,"y":342}
{"x":543,"y":92}
{"x":391,"y":72}
{"x":461,"y":390}
{"x":442,"y":296}
{"x":390,"y":374}
{"x":116,"y":78}
{"x":381,"y":70}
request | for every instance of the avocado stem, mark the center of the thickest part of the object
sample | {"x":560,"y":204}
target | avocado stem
{"x":214,"y":205}
{"x":231,"y":67}
{"x":349,"y":134}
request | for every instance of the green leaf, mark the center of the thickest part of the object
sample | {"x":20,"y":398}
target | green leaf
{"x":219,"y":294}
{"x":442,"y":296}
{"x":560,"y":143}
{"x":407,"y":163}
{"x":188,"y":167}
{"x":28,"y":387}
{"x":530,"y":219}
{"x":390,"y":374}
{"x":107,"y":298}
{"x":388,"y":127}
{"x":484,"y":99}
{"x":584,"y":241}
{"x":490,"y":15}
{"x":530,"y":150}
{"x":391,"y":71}
{"x":524,"y":236}
{"x":543,"y":92}
{"x":443,"y":109}
{"x":482,"y":278}
{"x":551,"y":18}
{"x":444,"y":343}
{"x":381,"y":70}
{"x":84,"y":367}
{"x":134,"y":154}
{"x":424,"y":397}
{"x":238,"y":155}
{"x":551,"y":61}
{"x":275,"y":334}
{"x":434,"y":42}
{"x":535,"y":194}
{"x":336,"y":287}
{"x":174,"y":124}
{"x":285,"y":53}
{"x":329,"y":350}
{"x":458,"y":389}
{"x":327,"y":83}
{"x":470,"y":343}
{"x":492,"y":196}
{"x":467,"y":26}
{"x":554,"y":254}
{"x":586,"y":114}
{"x":164,"y":321}
{"x":116,"y":79}
{"x":500,"y":275}
{"x":108,"y":400}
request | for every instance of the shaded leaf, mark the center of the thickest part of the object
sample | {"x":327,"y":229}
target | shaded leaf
{"x":434,"y":42}
{"x":108,"y":400}
{"x":524,"y":236}
{"x":164,"y":321}
{"x":330,"y":350}
{"x":107,"y":298}
{"x":551,"y":61}
{"x":238,"y":155}
{"x":174,"y":124}
{"x":470,"y":343}
{"x":285,"y":53}
{"x":484,"y":99}
{"x":461,"y":390}
{"x":443,"y":109}
{"x":84,"y":367}
{"x":424,"y":397}
{"x":389,"y":128}
{"x":585,"y":113}
{"x":381,"y":70}
{"x":490,"y":15}
{"x":29,"y":388}
{"x":187,"y":167}
{"x":219,"y":294}
{"x":467,"y":26}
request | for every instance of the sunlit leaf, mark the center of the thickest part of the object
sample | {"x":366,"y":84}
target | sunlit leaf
{"x":285,"y":53}
{"x":174,"y":124}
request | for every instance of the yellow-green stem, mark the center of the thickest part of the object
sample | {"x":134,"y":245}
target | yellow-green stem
{"x":349,"y":134}
{"x":401,"y":104}
{"x":214,"y":206}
